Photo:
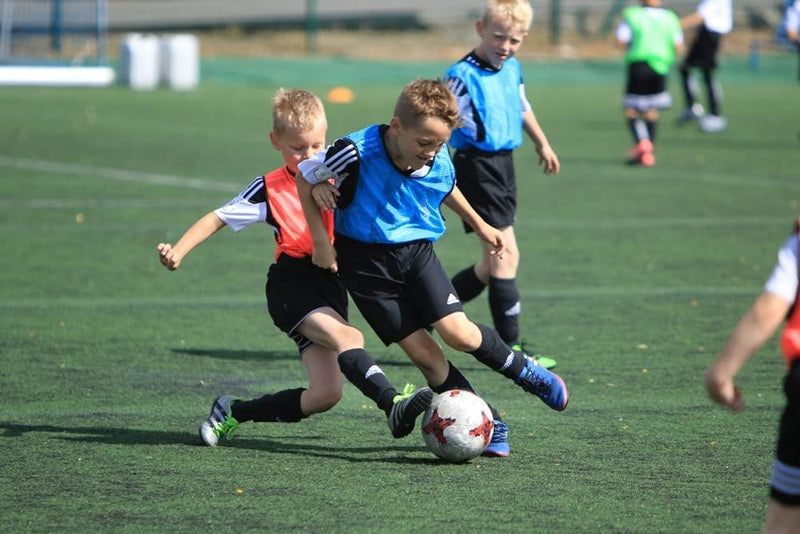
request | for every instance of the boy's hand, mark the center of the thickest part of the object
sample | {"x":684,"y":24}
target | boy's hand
{"x":494,"y":237}
{"x":324,"y":257}
{"x":168,"y":257}
{"x":325,"y":195}
{"x":548,"y":160}
{"x":721,"y":389}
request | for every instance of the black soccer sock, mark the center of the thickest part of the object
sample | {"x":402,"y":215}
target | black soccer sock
{"x":280,"y":407}
{"x":713,"y":92}
{"x":467,"y":284}
{"x":688,"y":92}
{"x":505,"y":307}
{"x":638,"y":130}
{"x":455,"y":380}
{"x":651,"y":129}
{"x":494,"y":353}
{"x":362,"y":371}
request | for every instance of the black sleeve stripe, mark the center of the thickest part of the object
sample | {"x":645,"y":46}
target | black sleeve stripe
{"x":255,"y":193}
{"x":342,"y":160}
{"x":340,"y":155}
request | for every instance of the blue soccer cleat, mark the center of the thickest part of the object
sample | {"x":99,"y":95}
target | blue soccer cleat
{"x":546,"y":385}
{"x":499,"y":444}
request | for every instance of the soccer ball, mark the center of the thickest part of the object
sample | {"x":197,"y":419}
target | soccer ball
{"x":457,"y":426}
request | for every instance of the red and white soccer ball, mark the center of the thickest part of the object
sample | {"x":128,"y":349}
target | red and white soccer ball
{"x":457,"y":426}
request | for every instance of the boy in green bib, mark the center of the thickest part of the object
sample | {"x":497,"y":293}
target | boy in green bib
{"x":652,"y":36}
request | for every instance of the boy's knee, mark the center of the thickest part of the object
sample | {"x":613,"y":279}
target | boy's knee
{"x":352,"y":338}
{"x":347,"y":337}
{"x":462,"y":336}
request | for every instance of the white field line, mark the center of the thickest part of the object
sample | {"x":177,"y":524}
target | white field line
{"x":646,"y":222}
{"x":196,"y":183}
{"x":249,"y":300}
{"x":79,"y":203}
{"x":132,"y":302}
{"x":121,"y":175}
{"x":595,"y":224}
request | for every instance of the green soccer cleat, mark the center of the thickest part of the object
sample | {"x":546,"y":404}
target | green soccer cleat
{"x":407,"y":406}
{"x":220,"y":422}
{"x":545,"y":361}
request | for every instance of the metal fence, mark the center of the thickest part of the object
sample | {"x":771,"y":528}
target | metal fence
{"x":52,"y":31}
{"x":76,"y":30}
{"x":591,"y":15}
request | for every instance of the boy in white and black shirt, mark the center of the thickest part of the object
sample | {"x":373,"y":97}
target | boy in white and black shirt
{"x":776,"y":305}
{"x":716,"y":19}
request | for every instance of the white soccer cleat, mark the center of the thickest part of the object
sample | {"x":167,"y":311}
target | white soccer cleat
{"x":713,"y":123}
{"x":220,"y":422}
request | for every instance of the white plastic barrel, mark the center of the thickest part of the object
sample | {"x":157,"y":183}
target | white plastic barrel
{"x":180,"y":61}
{"x":139,"y":61}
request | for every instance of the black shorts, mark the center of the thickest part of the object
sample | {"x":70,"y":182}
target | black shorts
{"x":489,"y":184}
{"x":703,"y":53}
{"x":646,"y":89}
{"x":785,"y":483}
{"x":397,"y":288}
{"x":295,"y":288}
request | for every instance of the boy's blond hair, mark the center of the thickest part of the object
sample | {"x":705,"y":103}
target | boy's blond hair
{"x":297,"y":108}
{"x":427,"y":98}
{"x":511,"y":12}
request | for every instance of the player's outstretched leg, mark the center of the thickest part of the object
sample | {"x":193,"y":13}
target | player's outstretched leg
{"x":545,"y":384}
{"x":407,"y":406}
{"x":525,"y":372}
{"x":220,"y":423}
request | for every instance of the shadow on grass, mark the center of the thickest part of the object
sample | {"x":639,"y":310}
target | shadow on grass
{"x":350,"y":454}
{"x":245,"y":355}
{"x":128,"y":436}
{"x":114,"y":436}
{"x":263,"y":355}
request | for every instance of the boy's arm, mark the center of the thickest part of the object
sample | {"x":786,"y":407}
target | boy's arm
{"x":690,"y":21}
{"x":324,"y":254}
{"x":754,"y":329}
{"x":622,"y":35}
{"x":678,"y":39}
{"x":793,"y":21}
{"x":458,"y":203}
{"x":171,"y":256}
{"x":547,"y":157}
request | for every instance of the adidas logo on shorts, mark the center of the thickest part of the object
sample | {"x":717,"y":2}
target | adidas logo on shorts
{"x":452,"y":299}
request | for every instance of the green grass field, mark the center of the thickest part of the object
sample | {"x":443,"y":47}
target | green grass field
{"x":632,"y":278}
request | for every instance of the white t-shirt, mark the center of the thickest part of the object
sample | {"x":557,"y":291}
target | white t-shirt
{"x":717,"y":15}
{"x":783,"y":280}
